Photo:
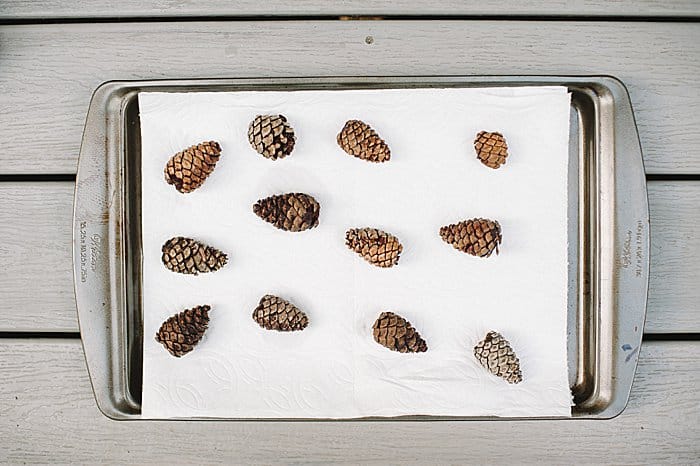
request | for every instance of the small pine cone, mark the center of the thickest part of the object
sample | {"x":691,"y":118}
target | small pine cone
{"x":397,"y":334}
{"x":289,"y":212}
{"x":274,"y":313}
{"x":478,"y":236}
{"x":271,"y":136}
{"x":188,"y":256}
{"x":491,"y":149}
{"x":358,"y":139}
{"x":376,"y":246}
{"x":188,"y":170}
{"x":496,"y":355}
{"x":181,"y":332}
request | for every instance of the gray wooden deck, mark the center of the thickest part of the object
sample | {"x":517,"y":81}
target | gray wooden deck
{"x":48,"y":70}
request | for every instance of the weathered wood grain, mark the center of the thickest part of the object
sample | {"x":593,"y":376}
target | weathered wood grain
{"x":14,"y":9}
{"x":48,"y":72}
{"x":36,"y":271}
{"x":36,"y":280}
{"x":49,"y":414}
{"x":674,"y":281}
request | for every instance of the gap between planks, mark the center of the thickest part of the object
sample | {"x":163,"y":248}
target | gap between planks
{"x":599,"y":9}
{"x":36,"y":280}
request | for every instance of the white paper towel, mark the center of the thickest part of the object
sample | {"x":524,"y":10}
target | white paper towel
{"x":334,"y":369}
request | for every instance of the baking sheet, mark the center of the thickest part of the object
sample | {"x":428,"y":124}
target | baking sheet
{"x":334,"y":368}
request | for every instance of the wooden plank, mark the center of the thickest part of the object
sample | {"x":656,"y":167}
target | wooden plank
{"x":48,"y":411}
{"x":17,"y":9}
{"x":36,"y":279}
{"x":48,"y":72}
{"x":675,"y":256}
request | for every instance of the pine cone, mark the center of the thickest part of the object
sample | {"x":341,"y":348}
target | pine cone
{"x":189,"y":256}
{"x":181,"y":332}
{"x":491,"y":149}
{"x":271,"y":136}
{"x":496,"y":355}
{"x":274,"y":313}
{"x":289,"y":212}
{"x":357,"y":138}
{"x":478,"y":236}
{"x":376,"y":246}
{"x":397,"y":334}
{"x":188,"y":169}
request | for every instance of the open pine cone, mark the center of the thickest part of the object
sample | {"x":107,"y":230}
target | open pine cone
{"x":181,"y":332}
{"x":358,"y":139}
{"x":189,"y":256}
{"x":397,"y":334}
{"x":188,"y":170}
{"x":478,"y":236}
{"x":275,"y":313}
{"x":495,"y":354}
{"x":271,"y":136}
{"x":491,"y":149}
{"x":376,"y":246}
{"x":289,"y":212}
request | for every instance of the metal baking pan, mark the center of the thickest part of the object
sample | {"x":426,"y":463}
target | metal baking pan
{"x":608,"y":232}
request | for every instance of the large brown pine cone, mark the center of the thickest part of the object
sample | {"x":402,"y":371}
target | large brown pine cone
{"x":376,"y":246}
{"x":189,"y":256}
{"x":358,"y":139}
{"x":397,"y":334}
{"x":271,"y":136}
{"x":491,"y":149}
{"x":275,"y":313}
{"x":478,"y":236}
{"x":181,"y":332}
{"x":289,"y":212}
{"x":495,"y":355}
{"x":187,"y":170}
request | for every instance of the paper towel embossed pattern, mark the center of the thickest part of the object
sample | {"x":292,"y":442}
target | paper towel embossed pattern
{"x":336,"y":369}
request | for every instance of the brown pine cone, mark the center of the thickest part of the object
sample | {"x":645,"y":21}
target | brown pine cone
{"x":181,"y":332}
{"x":496,"y":355}
{"x":376,"y":246}
{"x":271,"y":136}
{"x":275,"y":313}
{"x":358,"y":139}
{"x":289,"y":212}
{"x":491,"y":149}
{"x":397,"y":334}
{"x":188,"y":170}
{"x":189,"y":256}
{"x":478,"y":236}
